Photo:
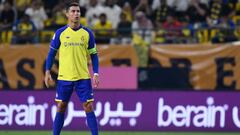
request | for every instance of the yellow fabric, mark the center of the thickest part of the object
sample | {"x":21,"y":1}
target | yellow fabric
{"x":159,"y":36}
{"x":6,"y":37}
{"x":73,"y":54}
{"x":23,"y":3}
{"x":102,"y":28}
{"x":213,"y":33}
{"x":238,"y":6}
{"x":128,"y":15}
{"x":25,"y":28}
{"x":203,"y":36}
{"x":46,"y":35}
{"x":83,"y":21}
{"x":236,"y":20}
{"x":237,"y":33}
{"x":186,"y":32}
{"x":137,"y":40}
{"x":60,"y":18}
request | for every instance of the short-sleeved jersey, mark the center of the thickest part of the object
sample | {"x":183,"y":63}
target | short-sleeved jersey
{"x":74,"y":47}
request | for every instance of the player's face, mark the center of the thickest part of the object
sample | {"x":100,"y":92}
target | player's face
{"x":73,"y":14}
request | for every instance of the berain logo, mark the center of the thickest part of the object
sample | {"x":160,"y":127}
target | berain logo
{"x":192,"y":115}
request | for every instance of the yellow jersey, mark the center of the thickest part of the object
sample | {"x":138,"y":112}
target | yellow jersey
{"x":74,"y":46}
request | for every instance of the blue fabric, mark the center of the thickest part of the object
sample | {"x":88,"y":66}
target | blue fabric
{"x":83,"y":89}
{"x":51,"y":55}
{"x":55,"y":43}
{"x":230,"y":23}
{"x":58,"y":123}
{"x":54,"y":46}
{"x":92,"y":123}
{"x":95,"y":62}
{"x":91,"y":41}
{"x":64,"y":90}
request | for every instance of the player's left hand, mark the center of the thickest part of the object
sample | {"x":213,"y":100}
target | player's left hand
{"x":95,"y":81}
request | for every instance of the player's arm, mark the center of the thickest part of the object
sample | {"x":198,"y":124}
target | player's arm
{"x":95,"y":63}
{"x":55,"y":43}
{"x":94,"y":58}
{"x":49,"y":62}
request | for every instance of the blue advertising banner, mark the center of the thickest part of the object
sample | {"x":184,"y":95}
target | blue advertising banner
{"x":125,"y":111}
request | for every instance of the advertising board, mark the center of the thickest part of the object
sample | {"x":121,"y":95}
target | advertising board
{"x":125,"y":111}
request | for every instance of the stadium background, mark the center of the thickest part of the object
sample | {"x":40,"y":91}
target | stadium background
{"x":166,"y":66}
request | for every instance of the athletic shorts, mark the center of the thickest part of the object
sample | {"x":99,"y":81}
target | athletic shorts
{"x":83,"y":90}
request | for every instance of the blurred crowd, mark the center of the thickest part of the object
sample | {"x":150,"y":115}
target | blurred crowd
{"x":125,"y":21}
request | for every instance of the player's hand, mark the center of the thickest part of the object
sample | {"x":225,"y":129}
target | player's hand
{"x":47,"y":78}
{"x":95,"y":80}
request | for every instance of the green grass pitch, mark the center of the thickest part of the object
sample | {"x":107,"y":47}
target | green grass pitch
{"x":111,"y":133}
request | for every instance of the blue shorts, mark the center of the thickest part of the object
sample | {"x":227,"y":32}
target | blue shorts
{"x":83,"y":89}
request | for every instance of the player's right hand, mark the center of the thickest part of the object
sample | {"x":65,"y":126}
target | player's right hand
{"x":47,"y":78}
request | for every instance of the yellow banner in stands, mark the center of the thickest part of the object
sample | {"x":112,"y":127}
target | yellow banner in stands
{"x":22,"y":67}
{"x":210,"y":67}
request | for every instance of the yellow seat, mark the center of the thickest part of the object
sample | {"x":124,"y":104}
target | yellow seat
{"x":159,"y":37}
{"x":202,"y":35}
{"x":6,"y":37}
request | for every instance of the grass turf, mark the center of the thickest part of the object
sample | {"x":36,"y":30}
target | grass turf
{"x":111,"y":133}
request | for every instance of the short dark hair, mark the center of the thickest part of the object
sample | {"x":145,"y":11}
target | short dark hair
{"x":103,"y":15}
{"x":70,"y":4}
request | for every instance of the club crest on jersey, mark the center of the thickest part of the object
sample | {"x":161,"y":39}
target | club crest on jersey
{"x":82,"y":40}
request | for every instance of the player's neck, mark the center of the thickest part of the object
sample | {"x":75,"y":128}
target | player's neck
{"x":74,"y":25}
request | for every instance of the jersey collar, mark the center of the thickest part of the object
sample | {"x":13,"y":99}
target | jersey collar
{"x":76,"y":28}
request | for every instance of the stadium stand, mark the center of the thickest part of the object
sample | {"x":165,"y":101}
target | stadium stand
{"x":185,"y":21}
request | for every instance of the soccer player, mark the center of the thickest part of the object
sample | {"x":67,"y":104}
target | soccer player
{"x":74,"y":43}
